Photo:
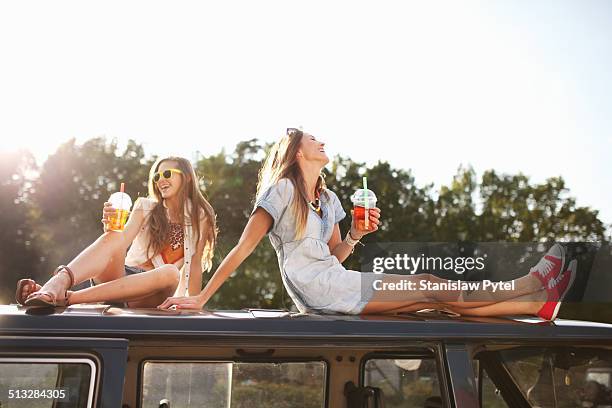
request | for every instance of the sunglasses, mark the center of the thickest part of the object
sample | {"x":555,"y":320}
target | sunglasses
{"x":291,"y":131}
{"x":165,"y":174}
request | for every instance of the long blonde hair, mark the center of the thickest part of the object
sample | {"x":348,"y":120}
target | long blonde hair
{"x":158,"y":223}
{"x":281,"y":163}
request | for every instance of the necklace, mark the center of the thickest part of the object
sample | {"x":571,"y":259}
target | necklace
{"x":315,"y":205}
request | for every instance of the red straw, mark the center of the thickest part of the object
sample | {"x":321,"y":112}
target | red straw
{"x":122,"y":189}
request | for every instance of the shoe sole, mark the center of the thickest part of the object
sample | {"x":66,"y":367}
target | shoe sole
{"x":555,"y":312}
{"x":38,"y":302}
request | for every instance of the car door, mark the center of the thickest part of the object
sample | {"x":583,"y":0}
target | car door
{"x":62,"y":372}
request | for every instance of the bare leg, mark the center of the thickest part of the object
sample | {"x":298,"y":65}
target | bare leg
{"x":383,"y":308}
{"x":476,"y":298}
{"x":153,"y":300}
{"x":374,"y":307}
{"x":527,"y":304}
{"x":103,"y":260}
{"x":144,"y":288}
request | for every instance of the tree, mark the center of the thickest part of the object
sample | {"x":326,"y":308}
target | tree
{"x":73,"y":184}
{"x":231,"y":182}
{"x":407,"y":209}
{"x":56,"y":215}
{"x":514,"y":210}
{"x":18,"y":250}
{"x":455,"y":213}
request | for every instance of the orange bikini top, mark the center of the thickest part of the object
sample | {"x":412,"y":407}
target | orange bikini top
{"x":173,"y":251}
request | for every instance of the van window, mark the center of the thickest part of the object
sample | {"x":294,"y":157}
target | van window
{"x":405,"y":382}
{"x":47,"y":383}
{"x":234,"y":384}
{"x":490,"y":395}
{"x":557,"y":376}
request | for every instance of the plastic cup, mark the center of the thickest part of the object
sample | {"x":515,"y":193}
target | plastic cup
{"x":363,"y":201}
{"x":122,"y":204}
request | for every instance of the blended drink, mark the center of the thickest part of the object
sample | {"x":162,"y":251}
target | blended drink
{"x":363,"y":201}
{"x":122,"y":203}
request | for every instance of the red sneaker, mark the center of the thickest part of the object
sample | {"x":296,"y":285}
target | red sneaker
{"x":556,"y":291}
{"x":567,"y":281}
{"x":550,"y":265}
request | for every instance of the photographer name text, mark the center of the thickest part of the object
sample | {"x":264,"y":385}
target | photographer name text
{"x":423,"y":284}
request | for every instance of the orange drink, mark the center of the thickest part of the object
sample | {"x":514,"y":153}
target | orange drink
{"x":122,"y":203}
{"x":117,"y":221}
{"x":363,"y":201}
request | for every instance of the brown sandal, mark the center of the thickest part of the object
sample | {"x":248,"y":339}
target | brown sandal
{"x":22,"y":283}
{"x":36,"y":298}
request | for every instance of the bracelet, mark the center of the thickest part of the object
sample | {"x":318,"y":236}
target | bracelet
{"x":350,"y":241}
{"x":354,"y":239}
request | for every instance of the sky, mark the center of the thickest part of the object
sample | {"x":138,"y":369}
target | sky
{"x":515,"y":86}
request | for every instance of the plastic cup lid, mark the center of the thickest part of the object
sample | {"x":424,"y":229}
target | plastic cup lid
{"x":120,"y":201}
{"x":360,"y":196}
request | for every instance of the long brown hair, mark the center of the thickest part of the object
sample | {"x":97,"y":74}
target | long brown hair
{"x":158,"y":223}
{"x":281,"y":163}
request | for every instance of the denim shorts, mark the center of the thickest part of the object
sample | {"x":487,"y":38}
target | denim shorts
{"x":129,"y":270}
{"x":133,"y":270}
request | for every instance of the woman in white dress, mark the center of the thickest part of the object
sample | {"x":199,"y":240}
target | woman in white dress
{"x":301,"y":217}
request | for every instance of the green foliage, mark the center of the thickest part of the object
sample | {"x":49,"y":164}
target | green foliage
{"x":230,"y":182}
{"x":514,"y":210}
{"x":17,"y":248}
{"x":49,"y":219}
{"x":406,"y":209}
{"x":73,"y":184}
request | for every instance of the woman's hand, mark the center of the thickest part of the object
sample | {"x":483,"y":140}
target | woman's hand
{"x":374,"y":223}
{"x":107,"y":212}
{"x":183,"y":303}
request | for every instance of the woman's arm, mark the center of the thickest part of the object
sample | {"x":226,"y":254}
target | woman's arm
{"x":257,"y":227}
{"x":339,"y":248}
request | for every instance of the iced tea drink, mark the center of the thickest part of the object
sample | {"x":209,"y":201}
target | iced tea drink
{"x":122,"y":203}
{"x":363,"y":201}
{"x":117,"y":221}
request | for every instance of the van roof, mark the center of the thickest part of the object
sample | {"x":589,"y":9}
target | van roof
{"x":104,"y":320}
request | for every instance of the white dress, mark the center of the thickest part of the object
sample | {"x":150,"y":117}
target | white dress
{"x":315,"y":279}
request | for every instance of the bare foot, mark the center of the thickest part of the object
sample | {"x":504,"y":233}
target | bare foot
{"x":29,"y":289}
{"x":25,"y":287}
{"x":56,"y":287}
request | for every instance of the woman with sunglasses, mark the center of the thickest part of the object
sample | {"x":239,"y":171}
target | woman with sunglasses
{"x":301,"y":218}
{"x":171,"y":237}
